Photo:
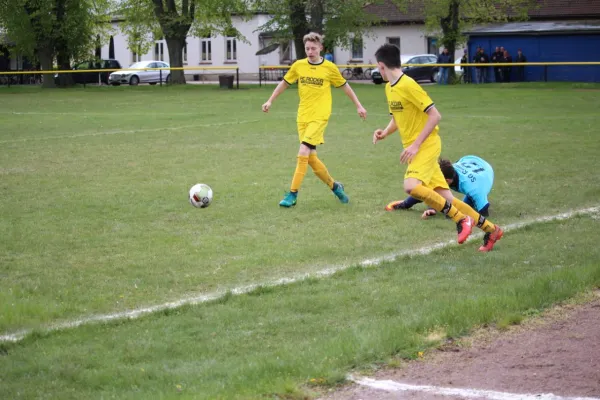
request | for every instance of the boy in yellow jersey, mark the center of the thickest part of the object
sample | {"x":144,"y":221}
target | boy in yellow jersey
{"x":415,"y":115}
{"x":315,"y":76}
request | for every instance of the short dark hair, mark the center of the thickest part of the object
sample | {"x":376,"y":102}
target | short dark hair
{"x":447,"y":169}
{"x":389,"y":55}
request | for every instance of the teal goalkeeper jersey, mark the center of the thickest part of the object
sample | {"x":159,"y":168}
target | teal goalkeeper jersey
{"x":475,"y":180}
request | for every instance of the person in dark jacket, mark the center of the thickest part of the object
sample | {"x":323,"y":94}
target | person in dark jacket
{"x":521,"y":68}
{"x":481,"y":58}
{"x":507,"y":70}
{"x":444,"y":58}
{"x":497,"y":57}
{"x":465,"y":69}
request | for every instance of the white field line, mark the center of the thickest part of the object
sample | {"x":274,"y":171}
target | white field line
{"x":130,"y":131}
{"x":393,"y":386}
{"x":203,"y":298}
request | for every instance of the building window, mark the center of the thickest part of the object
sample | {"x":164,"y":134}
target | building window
{"x":159,"y":51}
{"x":432,"y":45}
{"x":357,"y":48}
{"x":184,"y":54}
{"x":231,"y":49}
{"x":395,"y":41}
{"x":205,"y":50}
{"x":135,"y":57}
{"x":285,"y":52}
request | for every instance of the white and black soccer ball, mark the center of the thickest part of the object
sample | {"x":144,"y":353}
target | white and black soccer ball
{"x":201,"y":195}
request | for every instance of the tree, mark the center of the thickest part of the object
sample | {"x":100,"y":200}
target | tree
{"x":450,"y":18}
{"x":339,"y":20}
{"x":146,"y":20}
{"x":45,"y":29}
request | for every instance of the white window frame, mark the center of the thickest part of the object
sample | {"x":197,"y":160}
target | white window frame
{"x":389,"y":41}
{"x":285,"y":54}
{"x":233,"y":57}
{"x":184,"y":54}
{"x":159,"y":50}
{"x":135,"y":57}
{"x":356,"y":56}
{"x":206,"y":56}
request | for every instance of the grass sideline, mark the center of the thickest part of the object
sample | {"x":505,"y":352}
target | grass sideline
{"x":280,"y":341}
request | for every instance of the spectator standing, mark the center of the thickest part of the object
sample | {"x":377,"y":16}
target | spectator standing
{"x":521,"y":68}
{"x":444,"y":58}
{"x":465,"y":69}
{"x":507,"y":69}
{"x":497,"y":58}
{"x":484,"y":59}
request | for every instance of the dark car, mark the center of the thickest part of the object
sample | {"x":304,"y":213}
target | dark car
{"x":417,"y":73}
{"x":94,"y":77}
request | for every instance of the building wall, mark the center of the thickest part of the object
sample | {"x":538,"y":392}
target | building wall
{"x":246,"y":58}
{"x":550,"y":48}
{"x":413,"y":40}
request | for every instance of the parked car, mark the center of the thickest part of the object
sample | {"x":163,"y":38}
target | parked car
{"x":142,"y":74}
{"x":417,"y":73}
{"x":93,"y":77}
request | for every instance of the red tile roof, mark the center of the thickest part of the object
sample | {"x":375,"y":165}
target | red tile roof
{"x":560,"y":9}
{"x":388,"y":12}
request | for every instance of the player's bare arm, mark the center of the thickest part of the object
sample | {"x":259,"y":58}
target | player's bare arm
{"x":433,"y":118}
{"x":359,"y":108}
{"x":278,"y":90}
{"x":381,"y":134}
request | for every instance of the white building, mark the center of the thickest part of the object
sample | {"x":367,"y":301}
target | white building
{"x":403,"y":29}
{"x":212,"y":52}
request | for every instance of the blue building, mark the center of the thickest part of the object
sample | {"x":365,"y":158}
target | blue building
{"x":544,"y":41}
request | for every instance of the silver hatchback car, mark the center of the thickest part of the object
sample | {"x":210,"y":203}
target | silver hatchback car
{"x":143,"y":74}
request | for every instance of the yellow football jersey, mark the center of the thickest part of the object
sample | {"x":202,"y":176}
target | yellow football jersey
{"x":314,"y":87}
{"x":409,"y":103}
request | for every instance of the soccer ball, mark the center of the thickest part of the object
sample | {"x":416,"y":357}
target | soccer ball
{"x":201,"y":195}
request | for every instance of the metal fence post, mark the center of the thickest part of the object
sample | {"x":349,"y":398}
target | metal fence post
{"x":545,"y":73}
{"x":160,"y":76}
{"x":237,"y":77}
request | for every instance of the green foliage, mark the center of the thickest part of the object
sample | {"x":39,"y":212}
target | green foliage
{"x":75,"y":24}
{"x":338,"y":20}
{"x":146,"y":20}
{"x":470,"y":12}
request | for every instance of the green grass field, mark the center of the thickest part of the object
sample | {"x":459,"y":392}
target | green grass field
{"x":95,"y":220}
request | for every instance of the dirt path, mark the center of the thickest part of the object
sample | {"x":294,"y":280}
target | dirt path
{"x":558,"y":354}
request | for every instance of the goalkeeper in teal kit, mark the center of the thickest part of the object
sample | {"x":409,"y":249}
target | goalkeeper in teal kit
{"x":471,"y":176}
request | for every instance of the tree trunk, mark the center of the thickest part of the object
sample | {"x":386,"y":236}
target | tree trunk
{"x":451,"y":33}
{"x":45,"y":57}
{"x":299,"y":26}
{"x":175,"y":48}
{"x":317,"y":13}
{"x":98,"y":50}
{"x":111,"y":48}
{"x":63,"y":59}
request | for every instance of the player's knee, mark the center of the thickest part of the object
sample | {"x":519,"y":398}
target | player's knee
{"x":410,"y":184}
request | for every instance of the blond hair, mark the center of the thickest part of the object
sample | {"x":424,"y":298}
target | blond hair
{"x":313,"y":37}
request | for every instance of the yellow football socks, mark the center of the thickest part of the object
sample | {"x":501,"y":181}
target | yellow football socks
{"x":320,"y":170}
{"x":479,"y":219}
{"x":301,"y":167}
{"x":434,"y":200}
